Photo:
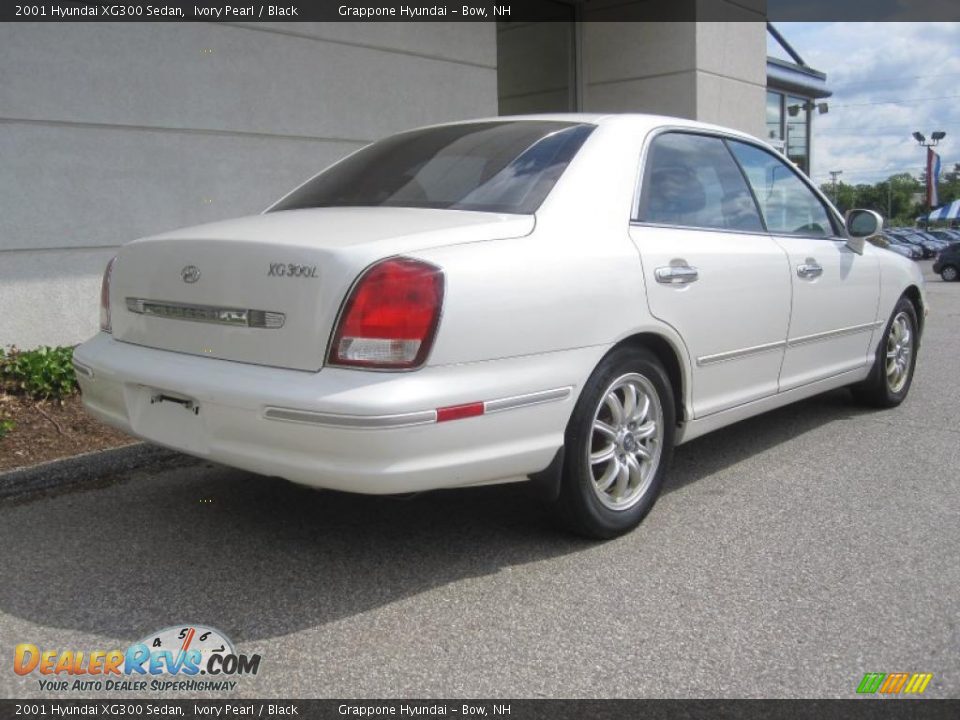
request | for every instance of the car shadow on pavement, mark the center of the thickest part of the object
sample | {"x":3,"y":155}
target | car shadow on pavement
{"x":252,"y":556}
{"x":260,"y":558}
{"x":716,"y":451}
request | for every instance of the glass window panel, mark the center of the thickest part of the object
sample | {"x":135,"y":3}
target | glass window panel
{"x":774,"y":116}
{"x":692,"y":181}
{"x":506,"y":167}
{"x":796,"y":127}
{"x":788,"y":205}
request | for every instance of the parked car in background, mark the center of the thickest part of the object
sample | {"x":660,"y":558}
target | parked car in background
{"x":938,"y":243}
{"x":560,"y":298}
{"x":927,"y":249}
{"x":947,"y":263}
{"x":950,"y":236}
{"x":913,"y":251}
{"x":901,"y":250}
{"x":880,"y":241}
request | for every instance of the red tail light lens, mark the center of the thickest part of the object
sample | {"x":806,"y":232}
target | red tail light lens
{"x":391,"y":316}
{"x":105,"y":324}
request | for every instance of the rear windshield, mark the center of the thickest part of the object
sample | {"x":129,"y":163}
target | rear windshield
{"x":503,"y":167}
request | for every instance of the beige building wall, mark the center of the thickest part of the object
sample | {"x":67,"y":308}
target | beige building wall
{"x":109,"y":132}
{"x":709,"y":71}
{"x":732,"y":75}
{"x":539,"y":67}
{"x":179,"y":124}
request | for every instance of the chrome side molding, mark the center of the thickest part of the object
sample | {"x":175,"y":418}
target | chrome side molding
{"x":792,"y":342}
{"x":421,"y":417}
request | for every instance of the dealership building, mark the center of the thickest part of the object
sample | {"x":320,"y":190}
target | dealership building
{"x":109,"y":132}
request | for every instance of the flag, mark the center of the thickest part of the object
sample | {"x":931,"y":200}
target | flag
{"x":933,"y":178}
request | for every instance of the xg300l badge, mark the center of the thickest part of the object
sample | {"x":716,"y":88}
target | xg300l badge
{"x":291,"y":270}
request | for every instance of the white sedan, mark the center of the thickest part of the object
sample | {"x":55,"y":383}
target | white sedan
{"x":559,"y":298}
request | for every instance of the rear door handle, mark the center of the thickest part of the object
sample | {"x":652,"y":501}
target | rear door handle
{"x":809,"y":269}
{"x":676,"y":274}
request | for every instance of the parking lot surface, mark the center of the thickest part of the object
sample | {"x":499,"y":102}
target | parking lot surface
{"x":788,"y":555}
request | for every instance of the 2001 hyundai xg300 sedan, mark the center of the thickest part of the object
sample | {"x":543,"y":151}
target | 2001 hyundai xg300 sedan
{"x":562,"y":298}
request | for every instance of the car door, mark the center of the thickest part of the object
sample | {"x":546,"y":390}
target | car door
{"x":711,"y":271}
{"x":835,"y":290}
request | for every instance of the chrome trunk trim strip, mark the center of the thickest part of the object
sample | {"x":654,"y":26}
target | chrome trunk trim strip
{"x":213,"y":314}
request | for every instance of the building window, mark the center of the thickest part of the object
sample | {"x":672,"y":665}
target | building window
{"x":798,"y":131}
{"x":774,"y":117}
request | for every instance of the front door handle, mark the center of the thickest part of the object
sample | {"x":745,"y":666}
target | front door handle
{"x":809,"y":269}
{"x":676,"y":274}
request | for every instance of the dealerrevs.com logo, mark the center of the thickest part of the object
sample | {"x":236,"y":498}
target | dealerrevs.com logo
{"x":178,"y":658}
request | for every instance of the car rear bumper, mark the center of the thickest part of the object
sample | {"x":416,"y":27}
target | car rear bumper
{"x":350,"y":430}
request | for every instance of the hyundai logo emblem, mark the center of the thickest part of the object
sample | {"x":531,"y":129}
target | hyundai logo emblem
{"x":190,"y":274}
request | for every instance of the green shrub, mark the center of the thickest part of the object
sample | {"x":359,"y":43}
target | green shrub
{"x":6,"y":425}
{"x":44,"y":373}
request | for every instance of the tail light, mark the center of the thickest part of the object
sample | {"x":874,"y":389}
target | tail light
{"x":391,"y":316}
{"x":105,"y":324}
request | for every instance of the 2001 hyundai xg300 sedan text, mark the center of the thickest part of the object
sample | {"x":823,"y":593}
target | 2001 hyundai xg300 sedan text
{"x":563,"y":298}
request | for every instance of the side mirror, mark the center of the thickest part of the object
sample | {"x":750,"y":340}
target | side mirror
{"x":862,"y":224}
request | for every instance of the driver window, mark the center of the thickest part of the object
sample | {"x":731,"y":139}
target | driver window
{"x":789,"y":207}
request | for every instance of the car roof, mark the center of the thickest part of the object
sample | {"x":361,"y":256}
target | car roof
{"x":637,"y":121}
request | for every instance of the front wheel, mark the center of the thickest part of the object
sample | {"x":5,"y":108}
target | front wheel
{"x":949,"y":273}
{"x":892,"y":373}
{"x":618,"y":445}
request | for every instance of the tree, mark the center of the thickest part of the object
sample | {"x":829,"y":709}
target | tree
{"x":894,"y":198}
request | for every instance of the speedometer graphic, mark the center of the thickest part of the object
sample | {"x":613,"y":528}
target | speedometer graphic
{"x":183,"y":638}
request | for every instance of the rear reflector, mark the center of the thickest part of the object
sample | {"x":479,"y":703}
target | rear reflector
{"x":391,"y":316}
{"x":458,"y":412}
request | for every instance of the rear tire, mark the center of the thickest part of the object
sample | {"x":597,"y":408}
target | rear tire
{"x":949,"y":273}
{"x":892,"y":372}
{"x":618,"y":445}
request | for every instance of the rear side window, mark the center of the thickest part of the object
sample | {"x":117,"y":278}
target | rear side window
{"x":692,"y":181}
{"x":788,"y":205}
{"x":504,"y":167}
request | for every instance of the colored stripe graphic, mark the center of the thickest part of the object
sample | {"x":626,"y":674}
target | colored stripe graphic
{"x":871,"y":683}
{"x":918,"y":683}
{"x":894,"y":683}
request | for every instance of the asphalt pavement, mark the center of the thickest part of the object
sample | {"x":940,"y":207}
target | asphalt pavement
{"x":789,"y":555}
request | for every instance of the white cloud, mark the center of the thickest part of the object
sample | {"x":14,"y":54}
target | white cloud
{"x":867,"y":64}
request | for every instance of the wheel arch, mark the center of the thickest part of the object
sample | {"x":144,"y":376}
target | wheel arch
{"x":546,"y":483}
{"x":671,"y":359}
{"x":913,"y":294}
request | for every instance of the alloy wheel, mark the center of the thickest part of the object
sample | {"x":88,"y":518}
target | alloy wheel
{"x":899,"y":351}
{"x":626,"y":441}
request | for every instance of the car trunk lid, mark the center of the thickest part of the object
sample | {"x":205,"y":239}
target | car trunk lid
{"x":267,"y":289}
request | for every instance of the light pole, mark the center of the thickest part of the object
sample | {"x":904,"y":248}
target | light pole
{"x":935,"y":138}
{"x":834,"y":174}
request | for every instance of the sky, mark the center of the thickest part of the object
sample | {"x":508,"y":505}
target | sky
{"x":888,"y":80}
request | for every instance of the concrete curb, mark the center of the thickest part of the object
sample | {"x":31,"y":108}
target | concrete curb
{"x":93,"y":469}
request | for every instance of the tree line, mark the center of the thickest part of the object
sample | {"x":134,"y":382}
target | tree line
{"x":901,"y":198}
